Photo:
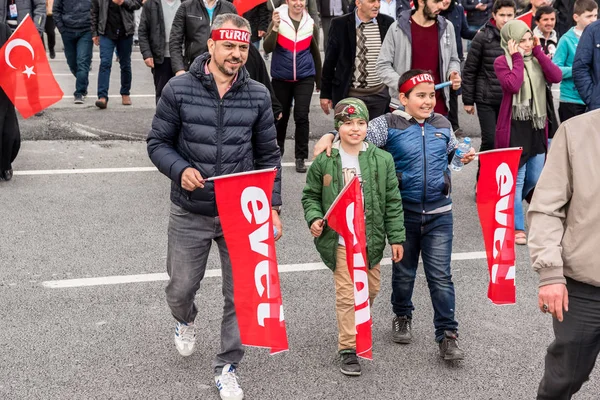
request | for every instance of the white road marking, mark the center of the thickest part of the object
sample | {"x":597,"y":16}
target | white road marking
{"x":211,"y":273}
{"x":104,"y":170}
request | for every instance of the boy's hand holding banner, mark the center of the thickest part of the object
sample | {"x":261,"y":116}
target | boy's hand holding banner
{"x":346,"y":216}
{"x":495,"y":203}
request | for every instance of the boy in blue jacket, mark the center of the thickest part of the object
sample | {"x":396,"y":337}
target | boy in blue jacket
{"x":584,"y":13}
{"x":421,"y":143}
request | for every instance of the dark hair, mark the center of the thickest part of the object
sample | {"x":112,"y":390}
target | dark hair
{"x":409,"y":74}
{"x":582,"y":6}
{"x":416,"y":3}
{"x":543,"y":10}
{"x":498,"y":4}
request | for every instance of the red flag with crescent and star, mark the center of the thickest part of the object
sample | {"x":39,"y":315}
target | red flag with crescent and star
{"x":243,"y":6}
{"x":25,"y":73}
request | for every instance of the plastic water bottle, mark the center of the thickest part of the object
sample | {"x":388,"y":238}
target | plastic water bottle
{"x":463,"y":148}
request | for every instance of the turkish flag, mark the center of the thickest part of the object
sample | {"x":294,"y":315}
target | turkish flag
{"x":496,"y":207}
{"x":243,"y":6}
{"x":244,"y":203}
{"x":25,"y":73}
{"x":346,"y":216}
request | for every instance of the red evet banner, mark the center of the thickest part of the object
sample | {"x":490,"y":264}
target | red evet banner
{"x":25,"y":73}
{"x":496,"y":206}
{"x":244,"y":203}
{"x":243,"y":6}
{"x":346,"y":216}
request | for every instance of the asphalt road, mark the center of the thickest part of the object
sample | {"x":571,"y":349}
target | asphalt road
{"x":116,"y":341}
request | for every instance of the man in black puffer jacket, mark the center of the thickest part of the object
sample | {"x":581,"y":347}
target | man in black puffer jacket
{"x":480,"y":84}
{"x":72,"y":18}
{"x":191,"y":28}
{"x":210,"y":121}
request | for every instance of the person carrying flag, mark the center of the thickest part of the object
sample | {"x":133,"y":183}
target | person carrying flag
{"x":10,"y":136}
{"x":212,"y":121}
{"x":422,"y":144}
{"x":353,"y":156}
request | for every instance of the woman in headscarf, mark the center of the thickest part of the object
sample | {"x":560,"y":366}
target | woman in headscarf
{"x":523,"y":72}
{"x":10,"y":136}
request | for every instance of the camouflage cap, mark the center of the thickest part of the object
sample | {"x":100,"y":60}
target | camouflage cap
{"x":350,"y":108}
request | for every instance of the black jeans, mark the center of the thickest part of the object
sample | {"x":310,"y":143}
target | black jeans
{"x":569,"y":110}
{"x":49,"y":29}
{"x":301,"y":93}
{"x":162,"y":73}
{"x":572,"y":354}
{"x":453,"y":112}
{"x":488,"y":117}
{"x":377,"y":104}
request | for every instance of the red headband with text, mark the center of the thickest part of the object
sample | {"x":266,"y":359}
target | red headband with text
{"x":233,"y":35}
{"x":414,"y":81}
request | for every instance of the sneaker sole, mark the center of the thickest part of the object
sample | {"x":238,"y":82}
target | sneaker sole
{"x":402,"y":341}
{"x":349,"y":373}
{"x":453,"y":358}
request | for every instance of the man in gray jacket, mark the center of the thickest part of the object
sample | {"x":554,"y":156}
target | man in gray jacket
{"x":421,"y":39}
{"x":563,"y":244}
{"x":12,"y":12}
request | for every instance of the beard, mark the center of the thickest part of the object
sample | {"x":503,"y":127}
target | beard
{"x":428,"y":13}
{"x":229,"y":71}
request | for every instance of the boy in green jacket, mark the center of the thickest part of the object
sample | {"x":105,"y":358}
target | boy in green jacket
{"x":351,"y":156}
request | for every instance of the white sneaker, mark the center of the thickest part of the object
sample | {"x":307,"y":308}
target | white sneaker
{"x":185,"y":338}
{"x":227,"y":383}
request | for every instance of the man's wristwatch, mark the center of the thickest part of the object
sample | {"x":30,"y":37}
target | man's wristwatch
{"x":276,"y":208}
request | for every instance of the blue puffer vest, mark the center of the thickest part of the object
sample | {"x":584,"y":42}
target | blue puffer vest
{"x":421,"y":158}
{"x":292,"y":59}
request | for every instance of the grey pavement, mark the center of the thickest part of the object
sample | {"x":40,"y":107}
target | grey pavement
{"x":116,"y":341}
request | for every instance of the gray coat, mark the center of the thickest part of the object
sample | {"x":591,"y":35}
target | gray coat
{"x":36,"y":8}
{"x":99,"y":15}
{"x":395,"y":57}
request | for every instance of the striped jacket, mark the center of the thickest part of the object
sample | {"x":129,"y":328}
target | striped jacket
{"x":292,"y":59}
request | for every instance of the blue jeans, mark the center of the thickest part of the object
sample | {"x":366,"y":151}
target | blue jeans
{"x":431,"y":237}
{"x":78,"y":52}
{"x":527,"y":178}
{"x":107,"y":48}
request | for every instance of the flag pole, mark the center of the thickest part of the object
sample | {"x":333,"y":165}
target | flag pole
{"x":272,"y":4}
{"x":498,"y":150}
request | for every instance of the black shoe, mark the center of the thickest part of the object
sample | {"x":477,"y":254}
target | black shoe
{"x":52,"y":54}
{"x":6,"y":175}
{"x":39,"y":114}
{"x":349,"y":363}
{"x":401,"y":330}
{"x":101,"y":103}
{"x":78,"y":99}
{"x":300,"y":166}
{"x":449,"y":349}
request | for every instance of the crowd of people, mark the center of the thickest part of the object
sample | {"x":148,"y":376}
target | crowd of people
{"x":219,"y":111}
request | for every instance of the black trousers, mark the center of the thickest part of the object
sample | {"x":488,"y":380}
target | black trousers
{"x":162,"y":73}
{"x":572,"y":354}
{"x":570,"y":110}
{"x":488,"y":117}
{"x":453,"y":112}
{"x":377,"y":104}
{"x":300,"y":92}
{"x":50,"y":32}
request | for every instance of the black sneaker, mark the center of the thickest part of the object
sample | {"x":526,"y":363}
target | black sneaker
{"x":401,"y":328}
{"x":349,"y":363}
{"x":300,"y":166}
{"x":449,"y":349}
{"x":78,"y":99}
{"x":52,"y":54}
